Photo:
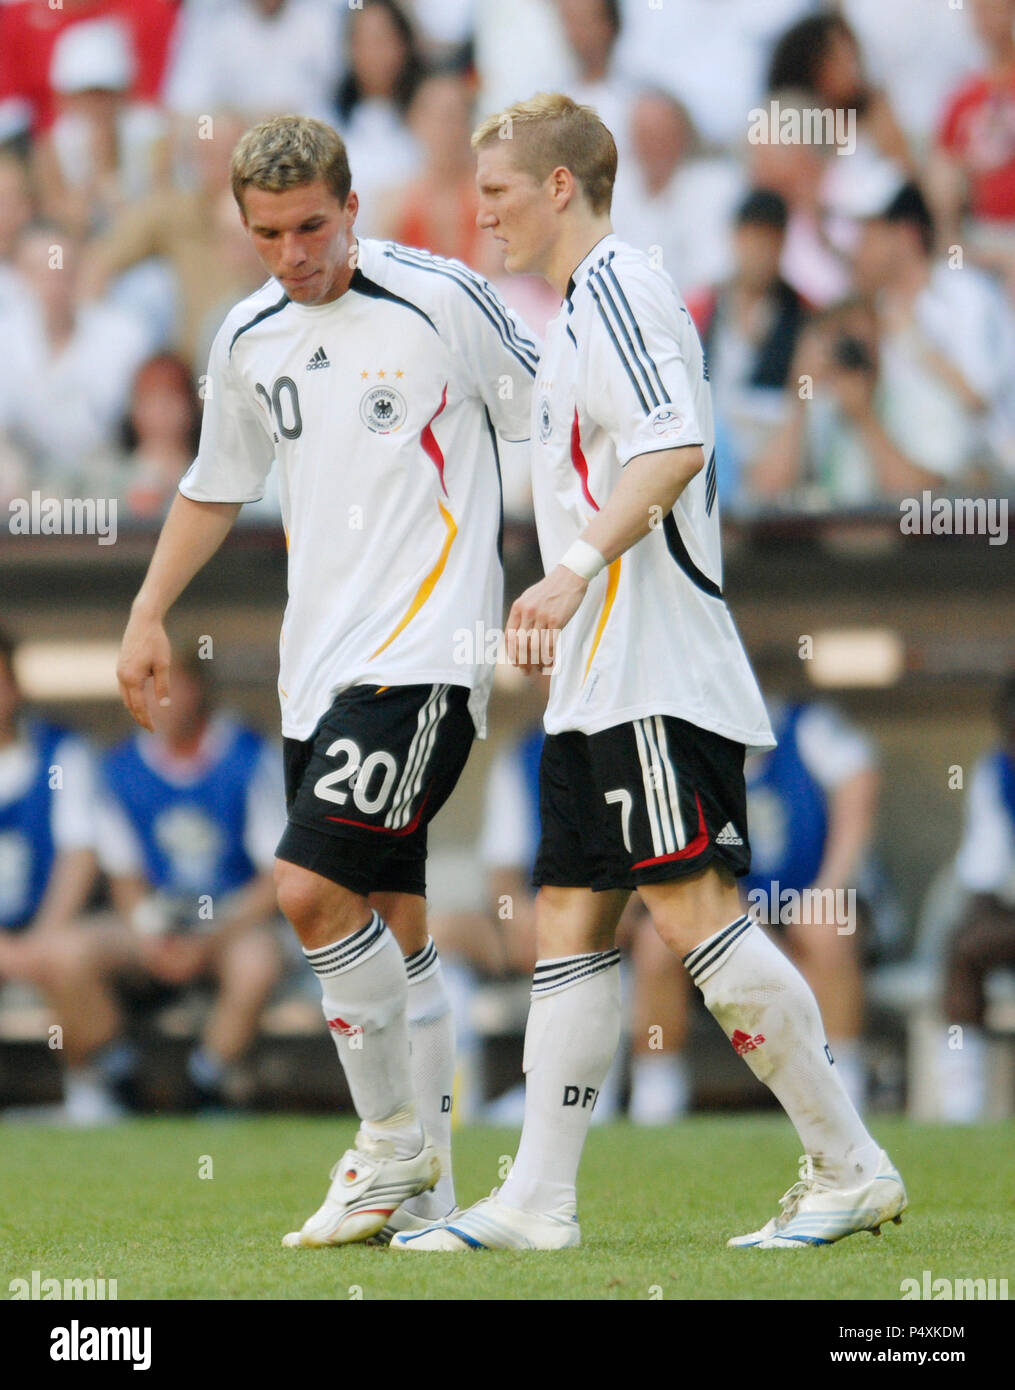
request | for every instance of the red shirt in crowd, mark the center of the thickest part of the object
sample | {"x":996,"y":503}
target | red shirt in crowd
{"x":30,"y":28}
{"x":979,"y":131}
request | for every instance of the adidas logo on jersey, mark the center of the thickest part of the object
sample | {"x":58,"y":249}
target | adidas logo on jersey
{"x":319,"y":359}
{"x":728,"y":835}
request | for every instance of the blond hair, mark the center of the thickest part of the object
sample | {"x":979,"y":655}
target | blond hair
{"x":288,"y":152}
{"x":549,"y":131}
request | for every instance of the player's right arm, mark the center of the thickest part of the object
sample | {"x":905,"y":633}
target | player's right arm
{"x":233,"y":460}
{"x":192,"y":533}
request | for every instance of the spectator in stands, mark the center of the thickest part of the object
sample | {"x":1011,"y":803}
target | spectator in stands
{"x":985,"y":939}
{"x":259,"y":58}
{"x":591,"y":31}
{"x":973,"y":174}
{"x":186,"y":825}
{"x":947,"y":333}
{"x":47,"y":856}
{"x":384,"y":70}
{"x":30,"y":29}
{"x":819,"y":57}
{"x":800,"y":173}
{"x":918,"y":54}
{"x":160,"y":437}
{"x":182,"y":227}
{"x":102,"y":151}
{"x":437,"y":210}
{"x":849,"y":437}
{"x":750,"y":327}
{"x":811,"y":807}
{"x":68,"y":366}
{"x":672,"y":202}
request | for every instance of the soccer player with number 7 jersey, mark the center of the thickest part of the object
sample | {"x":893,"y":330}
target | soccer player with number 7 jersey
{"x":652,"y":707}
{"x":379,"y":381}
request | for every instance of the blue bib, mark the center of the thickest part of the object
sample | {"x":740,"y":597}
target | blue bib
{"x":787,"y":815}
{"x":191,"y":836}
{"x":27,"y":850}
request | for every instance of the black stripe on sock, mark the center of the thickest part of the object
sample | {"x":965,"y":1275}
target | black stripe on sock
{"x":713,"y":950}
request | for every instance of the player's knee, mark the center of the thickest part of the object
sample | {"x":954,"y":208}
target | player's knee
{"x":320,"y":911}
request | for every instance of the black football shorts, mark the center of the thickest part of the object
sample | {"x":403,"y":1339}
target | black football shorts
{"x":361,"y":791}
{"x":649,"y":801}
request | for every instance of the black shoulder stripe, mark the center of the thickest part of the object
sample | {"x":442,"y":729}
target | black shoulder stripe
{"x":264,"y":314}
{"x":362,"y":285}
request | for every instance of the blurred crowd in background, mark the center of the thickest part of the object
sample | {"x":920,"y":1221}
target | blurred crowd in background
{"x":856,"y":297}
{"x":853,"y":277}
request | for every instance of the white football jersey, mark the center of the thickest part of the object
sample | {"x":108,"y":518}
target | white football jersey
{"x":622,"y":374}
{"x":381,"y":411}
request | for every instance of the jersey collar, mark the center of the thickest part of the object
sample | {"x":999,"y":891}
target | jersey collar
{"x":601,"y":247}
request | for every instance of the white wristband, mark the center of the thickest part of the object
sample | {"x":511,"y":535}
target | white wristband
{"x":583,"y":560}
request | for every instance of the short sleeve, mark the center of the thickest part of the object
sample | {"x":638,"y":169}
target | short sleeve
{"x":639,"y":362}
{"x":833,"y":750}
{"x":498,"y":353}
{"x":119,"y":849}
{"x":73,"y":819}
{"x":236,"y":452}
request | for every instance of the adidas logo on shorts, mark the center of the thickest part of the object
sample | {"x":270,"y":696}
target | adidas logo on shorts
{"x":319,"y":359}
{"x":728,"y":835}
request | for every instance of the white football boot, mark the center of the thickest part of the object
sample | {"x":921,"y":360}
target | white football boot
{"x":815,"y":1213}
{"x":368,"y":1184}
{"x":405,"y":1220}
{"x":490,"y":1225}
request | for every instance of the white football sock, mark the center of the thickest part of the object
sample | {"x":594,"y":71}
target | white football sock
{"x":571,"y":1037}
{"x":768,"y":1012}
{"x":432,"y":1047}
{"x":660,"y":1088}
{"x":364,"y":992}
{"x":962,"y":1075}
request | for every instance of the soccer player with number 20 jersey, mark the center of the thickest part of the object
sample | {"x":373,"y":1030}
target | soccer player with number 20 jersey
{"x":379,"y":381}
{"x":652,"y":707}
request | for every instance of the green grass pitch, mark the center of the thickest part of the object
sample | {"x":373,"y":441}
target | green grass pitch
{"x":656,"y":1207}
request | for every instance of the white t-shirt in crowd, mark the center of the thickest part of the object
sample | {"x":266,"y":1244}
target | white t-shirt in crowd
{"x":232,"y":56}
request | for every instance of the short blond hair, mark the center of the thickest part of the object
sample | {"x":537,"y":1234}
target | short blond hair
{"x":289,"y":152}
{"x":549,"y":131}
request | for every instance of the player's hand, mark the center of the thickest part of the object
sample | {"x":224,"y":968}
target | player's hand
{"x":537,"y":617}
{"x":144,"y":656}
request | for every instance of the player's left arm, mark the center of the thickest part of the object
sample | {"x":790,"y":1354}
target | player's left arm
{"x":649,"y":488}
